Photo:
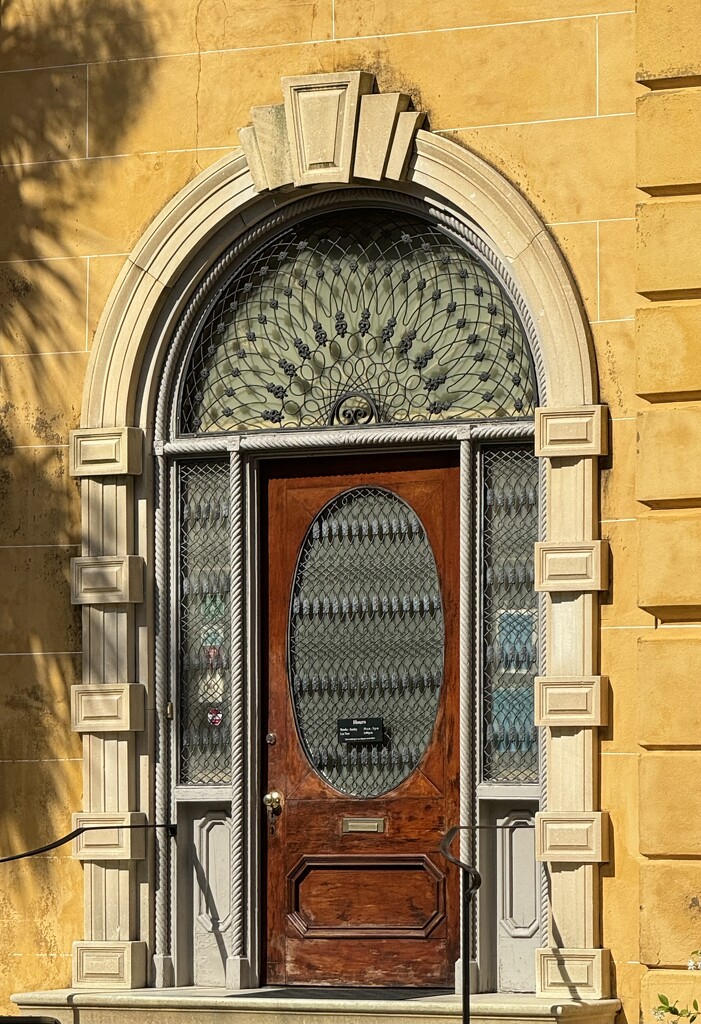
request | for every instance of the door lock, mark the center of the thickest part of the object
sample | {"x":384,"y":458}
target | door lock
{"x":273,"y":804}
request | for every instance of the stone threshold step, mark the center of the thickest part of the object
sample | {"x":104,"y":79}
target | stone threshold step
{"x":304,"y":1006}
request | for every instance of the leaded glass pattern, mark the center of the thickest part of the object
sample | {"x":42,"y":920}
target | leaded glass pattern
{"x":204,"y":624}
{"x":353,"y":318}
{"x":509,"y":615}
{"x":366,"y":639}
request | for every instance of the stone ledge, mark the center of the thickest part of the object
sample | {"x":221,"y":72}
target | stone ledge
{"x":270,"y":1006}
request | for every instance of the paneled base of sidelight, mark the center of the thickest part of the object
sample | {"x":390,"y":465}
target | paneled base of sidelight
{"x":573,"y":973}
{"x":111,"y":964}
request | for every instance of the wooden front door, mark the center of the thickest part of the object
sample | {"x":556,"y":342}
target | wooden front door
{"x":361,"y":664}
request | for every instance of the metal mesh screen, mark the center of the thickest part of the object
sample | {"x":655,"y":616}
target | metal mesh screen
{"x":204,"y":624}
{"x":509,"y":615}
{"x":366,"y":639}
{"x":352,"y":318}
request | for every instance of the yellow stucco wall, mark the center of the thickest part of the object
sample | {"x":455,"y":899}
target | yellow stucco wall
{"x":110,"y":107}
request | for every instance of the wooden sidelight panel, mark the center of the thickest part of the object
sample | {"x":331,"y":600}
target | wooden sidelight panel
{"x":361,"y":663}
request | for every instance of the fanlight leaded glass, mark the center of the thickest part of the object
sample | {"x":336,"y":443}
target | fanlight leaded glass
{"x":355,"y":318}
{"x":205,"y":630}
{"x":509,"y":615}
{"x":366,"y":639}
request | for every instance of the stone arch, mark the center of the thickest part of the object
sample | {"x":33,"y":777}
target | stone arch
{"x":133,"y":336}
{"x":225,"y":194}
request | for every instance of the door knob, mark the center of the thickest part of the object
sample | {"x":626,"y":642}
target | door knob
{"x":273,"y":801}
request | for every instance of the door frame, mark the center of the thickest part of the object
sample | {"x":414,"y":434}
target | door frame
{"x":245,"y":453}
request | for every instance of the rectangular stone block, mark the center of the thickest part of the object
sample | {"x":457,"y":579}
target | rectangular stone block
{"x":378,"y":116}
{"x":669,"y":547}
{"x":117,"y":707}
{"x":683,"y":983}
{"x":571,"y":432}
{"x":587,"y":971}
{"x":107,"y":579}
{"x":668,"y":254}
{"x":113,"y":841}
{"x":668,"y":350}
{"x":668,"y":40}
{"x":105,"y":452}
{"x":571,"y":567}
{"x":321,"y":122}
{"x":406,"y":128}
{"x":670,"y":803}
{"x":273,"y":140}
{"x":670,"y":896}
{"x":251,"y":149}
{"x":111,"y":964}
{"x":668,"y":464}
{"x":571,"y":701}
{"x":666,"y":121}
{"x":577,"y":837}
{"x":668,"y":665}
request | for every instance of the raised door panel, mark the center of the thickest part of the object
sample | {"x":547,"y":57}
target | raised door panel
{"x":518,"y":900}
{"x":212,"y":897}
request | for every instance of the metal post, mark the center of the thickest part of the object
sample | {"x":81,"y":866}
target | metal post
{"x":466,"y":908}
{"x":471,"y":881}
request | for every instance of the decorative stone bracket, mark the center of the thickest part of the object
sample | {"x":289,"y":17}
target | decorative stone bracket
{"x":330,"y":128}
{"x":571,"y":702}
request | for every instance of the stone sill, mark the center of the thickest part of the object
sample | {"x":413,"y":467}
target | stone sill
{"x":268,"y":1006}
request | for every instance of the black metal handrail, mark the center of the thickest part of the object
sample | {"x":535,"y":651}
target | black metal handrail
{"x":472,"y":880}
{"x":79,"y":831}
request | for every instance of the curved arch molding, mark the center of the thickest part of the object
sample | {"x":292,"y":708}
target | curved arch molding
{"x":331,"y":129}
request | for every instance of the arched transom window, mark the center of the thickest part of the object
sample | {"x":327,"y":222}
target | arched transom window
{"x":357,"y":317}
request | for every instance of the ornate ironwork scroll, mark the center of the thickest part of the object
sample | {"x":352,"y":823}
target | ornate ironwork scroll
{"x":355,"y":318}
{"x":366,"y":639}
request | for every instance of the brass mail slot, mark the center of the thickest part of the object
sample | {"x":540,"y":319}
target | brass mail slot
{"x":363,"y":825}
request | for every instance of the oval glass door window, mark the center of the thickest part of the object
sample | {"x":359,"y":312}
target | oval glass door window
{"x":366,"y":641}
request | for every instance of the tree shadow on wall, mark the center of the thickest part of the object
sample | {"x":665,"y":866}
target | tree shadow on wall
{"x":47,"y":187}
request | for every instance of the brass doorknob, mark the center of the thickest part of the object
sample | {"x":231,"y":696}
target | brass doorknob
{"x":273,"y":801}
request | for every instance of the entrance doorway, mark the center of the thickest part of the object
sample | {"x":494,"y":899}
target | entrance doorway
{"x":361,"y":752}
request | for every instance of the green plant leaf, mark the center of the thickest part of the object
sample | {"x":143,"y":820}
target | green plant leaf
{"x":663,"y":1000}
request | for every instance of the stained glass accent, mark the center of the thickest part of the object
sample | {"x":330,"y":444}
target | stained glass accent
{"x":366,"y":639}
{"x":204,"y":624}
{"x":509,"y":615}
{"x":354,"y":318}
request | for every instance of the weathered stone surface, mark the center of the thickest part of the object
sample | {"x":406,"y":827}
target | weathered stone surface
{"x":668,"y":468}
{"x":669,"y":247}
{"x":670,"y":912}
{"x":667,"y":660}
{"x":666,"y":121}
{"x":667,"y":350}
{"x":666,"y":826}
{"x":668,"y":41}
{"x":668,"y":544}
